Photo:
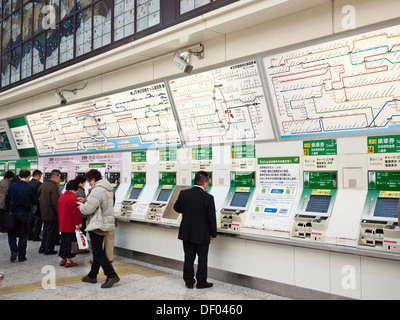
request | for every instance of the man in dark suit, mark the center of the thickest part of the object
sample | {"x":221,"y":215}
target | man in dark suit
{"x":35,"y":221}
{"x":198,"y":227}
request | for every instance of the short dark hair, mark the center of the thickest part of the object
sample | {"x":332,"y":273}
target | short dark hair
{"x":24,"y":173}
{"x":55,"y":173}
{"x":72,"y":185}
{"x":93,"y":174}
{"x":80,"y":179}
{"x":200,"y":178}
{"x":36,"y":173}
{"x":9,"y":174}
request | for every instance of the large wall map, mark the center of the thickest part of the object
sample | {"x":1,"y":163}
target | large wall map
{"x":343,"y":86}
{"x":223,"y":105}
{"x":137,"y":119}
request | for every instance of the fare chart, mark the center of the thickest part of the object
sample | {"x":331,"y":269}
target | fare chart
{"x":343,"y":86}
{"x":137,"y":119}
{"x":222,"y":105}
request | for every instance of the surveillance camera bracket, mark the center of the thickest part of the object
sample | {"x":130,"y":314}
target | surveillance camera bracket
{"x":199,"y":53}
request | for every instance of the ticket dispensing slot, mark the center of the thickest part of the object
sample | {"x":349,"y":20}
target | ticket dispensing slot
{"x":315,"y":207}
{"x":379,"y":228}
{"x":234,"y":212}
{"x":167,"y":184}
{"x":128,"y":205}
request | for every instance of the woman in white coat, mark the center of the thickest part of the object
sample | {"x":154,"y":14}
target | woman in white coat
{"x":99,"y":208}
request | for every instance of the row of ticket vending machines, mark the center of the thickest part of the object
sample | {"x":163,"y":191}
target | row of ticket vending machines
{"x":378,"y":226}
{"x":311,"y":211}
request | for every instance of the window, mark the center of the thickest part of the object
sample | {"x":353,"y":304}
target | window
{"x":40,"y":36}
{"x":189,"y":5}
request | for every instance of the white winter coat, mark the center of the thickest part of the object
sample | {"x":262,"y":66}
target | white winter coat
{"x":99,"y":207}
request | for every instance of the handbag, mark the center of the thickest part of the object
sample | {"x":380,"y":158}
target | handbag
{"x":74,"y":247}
{"x":82,"y":240}
{"x":8,"y":219}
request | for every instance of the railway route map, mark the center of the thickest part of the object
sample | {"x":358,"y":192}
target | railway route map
{"x":346,"y":86}
{"x":137,"y":119}
{"x":223,"y":105}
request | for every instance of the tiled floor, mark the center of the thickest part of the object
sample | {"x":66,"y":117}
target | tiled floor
{"x":139,"y":281}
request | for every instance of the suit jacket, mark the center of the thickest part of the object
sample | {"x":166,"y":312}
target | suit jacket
{"x":49,"y":192}
{"x":199,"y":222}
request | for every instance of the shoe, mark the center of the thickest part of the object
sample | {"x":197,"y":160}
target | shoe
{"x":22,"y":260}
{"x":48,"y":253}
{"x":110,"y":282}
{"x":189,"y":285}
{"x":89,"y":279}
{"x":36,"y":239}
{"x":204,"y":285}
{"x":71,"y":264}
{"x":41,"y":250}
{"x":62,"y":263}
{"x":13,"y":256}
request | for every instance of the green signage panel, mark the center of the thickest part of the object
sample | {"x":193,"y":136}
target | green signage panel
{"x":202,"y":153}
{"x":325,"y":147}
{"x":139,"y":156}
{"x":384,"y":144}
{"x":243,"y":179}
{"x":167,"y":178}
{"x":320,"y":180}
{"x":168,"y":155}
{"x":279,"y":160}
{"x":243,"y":151}
{"x":384,"y":180}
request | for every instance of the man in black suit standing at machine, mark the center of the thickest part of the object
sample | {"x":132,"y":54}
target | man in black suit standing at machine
{"x":198,"y":227}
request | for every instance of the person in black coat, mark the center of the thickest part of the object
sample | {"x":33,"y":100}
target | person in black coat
{"x":198,"y":227}
{"x":35,"y":221}
{"x":19,"y":199}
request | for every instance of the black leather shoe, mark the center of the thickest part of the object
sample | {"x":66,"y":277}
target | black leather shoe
{"x":48,"y":253}
{"x":204,"y":285}
{"x":189,"y":285}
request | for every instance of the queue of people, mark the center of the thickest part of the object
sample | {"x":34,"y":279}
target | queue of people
{"x":65,"y":214}
{"x":35,"y":204}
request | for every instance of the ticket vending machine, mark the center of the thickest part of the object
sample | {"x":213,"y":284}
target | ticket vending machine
{"x":165,"y":189}
{"x":234,"y":212}
{"x":114,"y":178}
{"x":315,"y":206}
{"x":63,"y":182}
{"x":128,"y":205}
{"x":379,"y":228}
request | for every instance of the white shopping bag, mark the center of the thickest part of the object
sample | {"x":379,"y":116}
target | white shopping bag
{"x":82,"y":241}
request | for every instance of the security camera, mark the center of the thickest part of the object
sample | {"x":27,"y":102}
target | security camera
{"x":60,"y":97}
{"x":182,"y":64}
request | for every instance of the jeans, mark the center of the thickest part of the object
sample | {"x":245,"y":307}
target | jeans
{"x":99,"y":257}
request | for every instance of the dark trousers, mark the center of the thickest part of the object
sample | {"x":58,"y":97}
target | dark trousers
{"x":20,"y":231}
{"x":34,"y":227}
{"x":99,"y":257}
{"x":65,"y":245}
{"x":50,"y":233}
{"x":191,"y":249}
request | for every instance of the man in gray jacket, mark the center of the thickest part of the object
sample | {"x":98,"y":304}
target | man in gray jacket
{"x":99,"y":207}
